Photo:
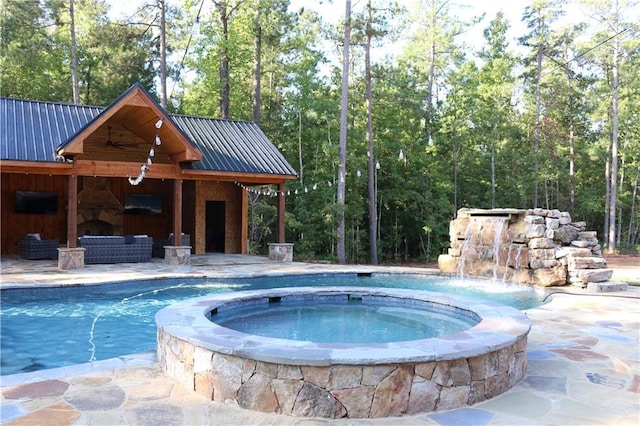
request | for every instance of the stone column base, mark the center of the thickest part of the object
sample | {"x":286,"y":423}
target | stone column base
{"x":281,"y":252}
{"x":70,"y":258}
{"x":177,"y":255}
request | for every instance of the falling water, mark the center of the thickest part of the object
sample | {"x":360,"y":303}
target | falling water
{"x":506,"y":266}
{"x":468,"y":242}
{"x":497,"y":239}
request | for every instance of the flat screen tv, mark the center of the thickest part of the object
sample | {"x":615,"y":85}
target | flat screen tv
{"x":143,"y":204}
{"x":33,"y":202}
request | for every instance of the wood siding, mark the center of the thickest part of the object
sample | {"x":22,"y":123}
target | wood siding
{"x":195,"y":196}
{"x":14,"y":225}
{"x":231,"y":194}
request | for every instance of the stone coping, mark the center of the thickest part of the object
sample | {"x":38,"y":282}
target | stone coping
{"x":499,"y":327}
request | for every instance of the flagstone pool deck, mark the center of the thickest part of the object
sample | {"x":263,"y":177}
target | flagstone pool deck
{"x":583,"y":361}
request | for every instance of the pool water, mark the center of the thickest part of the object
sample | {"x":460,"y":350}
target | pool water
{"x":54,"y":327}
{"x":344,"y":321}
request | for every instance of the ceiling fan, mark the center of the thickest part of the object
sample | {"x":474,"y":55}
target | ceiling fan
{"x":118,"y":145}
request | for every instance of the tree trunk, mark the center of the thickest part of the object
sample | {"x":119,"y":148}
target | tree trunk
{"x":536,"y":131}
{"x":163,"y":55}
{"x":343,"y":135}
{"x":257,"y":64}
{"x":223,"y":53}
{"x":301,"y":167}
{"x":632,"y":213}
{"x":373,"y":220}
{"x":607,"y":194}
{"x":432,"y":68}
{"x":611,"y":247}
{"x":572,"y":151}
{"x":74,"y":56}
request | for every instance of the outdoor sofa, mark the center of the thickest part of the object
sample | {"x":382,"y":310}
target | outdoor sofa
{"x":116,"y":248}
{"x":32,"y":247}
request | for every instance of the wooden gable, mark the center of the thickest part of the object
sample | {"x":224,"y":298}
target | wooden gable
{"x":126,"y":130}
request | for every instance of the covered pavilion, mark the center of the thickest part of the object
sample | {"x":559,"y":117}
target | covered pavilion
{"x":131,"y":168}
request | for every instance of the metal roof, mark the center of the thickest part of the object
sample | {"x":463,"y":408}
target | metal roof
{"x":33,"y":130}
{"x":234,"y":146}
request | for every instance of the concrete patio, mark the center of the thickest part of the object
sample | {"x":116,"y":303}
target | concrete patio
{"x":583,"y":361}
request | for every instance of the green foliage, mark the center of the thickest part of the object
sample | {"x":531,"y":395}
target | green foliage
{"x":478,"y":108}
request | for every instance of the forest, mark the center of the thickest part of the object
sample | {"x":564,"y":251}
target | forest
{"x":393,"y":120}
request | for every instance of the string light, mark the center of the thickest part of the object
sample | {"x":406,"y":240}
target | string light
{"x":152,"y":152}
{"x":270,"y":192}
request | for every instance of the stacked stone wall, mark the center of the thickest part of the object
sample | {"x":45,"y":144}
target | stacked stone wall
{"x":340,"y":391}
{"x":536,"y":246}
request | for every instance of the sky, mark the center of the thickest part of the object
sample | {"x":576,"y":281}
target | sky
{"x":333,"y":11}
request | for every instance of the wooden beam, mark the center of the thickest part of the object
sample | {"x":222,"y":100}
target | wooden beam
{"x":72,"y":212}
{"x":111,"y":169}
{"x":36,"y":167}
{"x":242,"y":177}
{"x":281,"y":208}
{"x":156,"y":171}
{"x":187,"y":155}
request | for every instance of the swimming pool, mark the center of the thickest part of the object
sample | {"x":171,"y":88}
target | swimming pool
{"x":54,"y":327}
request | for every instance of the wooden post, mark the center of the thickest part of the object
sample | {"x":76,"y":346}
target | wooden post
{"x":72,"y":212}
{"x":281,"y":208}
{"x":244,"y":226}
{"x":177,"y":212}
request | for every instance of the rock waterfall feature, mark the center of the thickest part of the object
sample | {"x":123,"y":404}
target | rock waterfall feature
{"x":536,"y":246}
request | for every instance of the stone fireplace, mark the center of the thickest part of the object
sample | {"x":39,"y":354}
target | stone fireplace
{"x":99,"y":211}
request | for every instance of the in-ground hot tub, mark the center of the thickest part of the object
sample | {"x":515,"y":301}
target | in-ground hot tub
{"x":358,"y":380}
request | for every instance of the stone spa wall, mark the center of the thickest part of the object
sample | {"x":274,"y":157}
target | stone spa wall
{"x":337,"y":391}
{"x":535,"y":246}
{"x":337,"y":380}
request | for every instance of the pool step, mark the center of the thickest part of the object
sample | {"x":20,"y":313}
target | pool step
{"x":607,"y":286}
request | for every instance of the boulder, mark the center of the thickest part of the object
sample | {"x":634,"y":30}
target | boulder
{"x":607,"y":286}
{"x":534,"y":220}
{"x":555,"y":213}
{"x":541,"y":243}
{"x":544,"y":263}
{"x":550,"y":276}
{"x":542,"y":254}
{"x":580,"y":243}
{"x":447,"y":264}
{"x":572,"y":251}
{"x":552,"y":223}
{"x":565,"y":234}
{"x":565,"y":218}
{"x":595,"y":275}
{"x":536,"y":231}
{"x":587,"y":263}
{"x":587,"y":235}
